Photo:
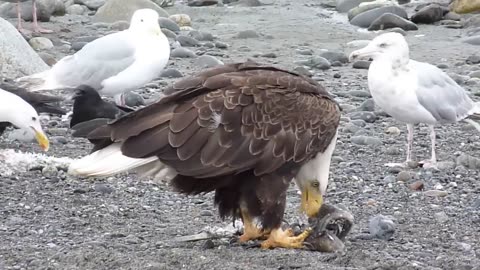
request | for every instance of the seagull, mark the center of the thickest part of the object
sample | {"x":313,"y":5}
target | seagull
{"x":36,"y":27}
{"x":414,"y":92}
{"x":40,"y":102}
{"x":15,"y":110}
{"x":113,"y":64}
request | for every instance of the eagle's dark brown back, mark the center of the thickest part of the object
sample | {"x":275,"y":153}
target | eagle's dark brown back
{"x":230,"y":119}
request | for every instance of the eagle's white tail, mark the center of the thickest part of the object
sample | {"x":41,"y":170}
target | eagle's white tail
{"x":110,"y":161}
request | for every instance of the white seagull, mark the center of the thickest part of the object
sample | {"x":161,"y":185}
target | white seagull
{"x":16,"y":111}
{"x":113,"y":64}
{"x":413,"y":92}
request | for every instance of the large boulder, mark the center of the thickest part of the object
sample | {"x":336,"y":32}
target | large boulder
{"x":471,"y":22}
{"x":164,"y":3}
{"x":429,"y":14}
{"x":389,"y":20}
{"x":360,"y":9}
{"x":465,"y":6}
{"x":17,"y":58}
{"x":91,"y":4}
{"x":122,"y":10}
{"x":346,"y":5}
{"x":366,"y":18}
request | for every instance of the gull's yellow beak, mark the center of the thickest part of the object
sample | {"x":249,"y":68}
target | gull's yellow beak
{"x":312,"y":199}
{"x":42,"y":139}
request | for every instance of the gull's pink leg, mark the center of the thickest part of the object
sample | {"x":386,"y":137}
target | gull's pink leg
{"x":36,"y":27}
{"x":432,"y":163}
{"x":19,"y":16}
{"x":409,"y":142}
{"x":433,"y":137}
{"x":120,"y":99}
{"x":409,"y":149}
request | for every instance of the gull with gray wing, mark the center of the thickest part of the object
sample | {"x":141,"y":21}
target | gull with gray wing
{"x":113,"y":64}
{"x":414,"y":92}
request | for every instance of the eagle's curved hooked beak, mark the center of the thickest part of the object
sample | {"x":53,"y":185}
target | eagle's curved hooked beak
{"x":312,"y":199}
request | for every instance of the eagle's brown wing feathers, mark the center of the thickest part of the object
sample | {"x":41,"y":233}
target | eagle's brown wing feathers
{"x":231,"y":119}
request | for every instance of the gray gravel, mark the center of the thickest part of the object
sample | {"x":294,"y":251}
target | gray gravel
{"x":49,"y":220}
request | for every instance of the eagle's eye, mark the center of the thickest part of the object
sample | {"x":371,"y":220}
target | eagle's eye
{"x":382,"y":45}
{"x":315,"y":184}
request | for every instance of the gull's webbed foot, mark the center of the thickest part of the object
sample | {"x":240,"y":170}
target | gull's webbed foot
{"x":41,"y":30}
{"x":23,"y":31}
{"x":429,"y":164}
{"x":406,"y":164}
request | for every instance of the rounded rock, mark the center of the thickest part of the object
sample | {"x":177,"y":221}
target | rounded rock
{"x":168,"y":24}
{"x":187,"y":41}
{"x":207,"y":61}
{"x":247,"y":34}
{"x":171,"y":73}
{"x":367,"y":18}
{"x":181,"y":19}
{"x":40,"y":43}
{"x":76,"y":9}
{"x":181,"y":52}
{"x":361,"y":64}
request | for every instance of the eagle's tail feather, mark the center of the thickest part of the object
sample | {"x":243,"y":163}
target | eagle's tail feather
{"x":110,"y":161}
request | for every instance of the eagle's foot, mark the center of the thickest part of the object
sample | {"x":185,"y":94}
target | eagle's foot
{"x":285,"y":239}
{"x":250,"y":230}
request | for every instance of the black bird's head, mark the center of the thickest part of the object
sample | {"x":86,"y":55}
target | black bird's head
{"x":85,"y":93}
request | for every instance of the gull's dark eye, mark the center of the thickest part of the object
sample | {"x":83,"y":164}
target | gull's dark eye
{"x":141,"y":20}
{"x":34,"y":118}
{"x":382,"y":45}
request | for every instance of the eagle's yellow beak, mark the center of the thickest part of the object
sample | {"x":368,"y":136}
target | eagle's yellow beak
{"x":42,"y":139}
{"x":312,"y":199}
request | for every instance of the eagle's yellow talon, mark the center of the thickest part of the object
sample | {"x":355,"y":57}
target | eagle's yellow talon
{"x":281,"y":238}
{"x":250,"y":233}
{"x":250,"y":230}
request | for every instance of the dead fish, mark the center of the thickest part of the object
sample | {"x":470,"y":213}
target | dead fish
{"x":329,"y":229}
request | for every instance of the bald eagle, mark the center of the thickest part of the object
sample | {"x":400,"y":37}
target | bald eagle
{"x":242,"y":130}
